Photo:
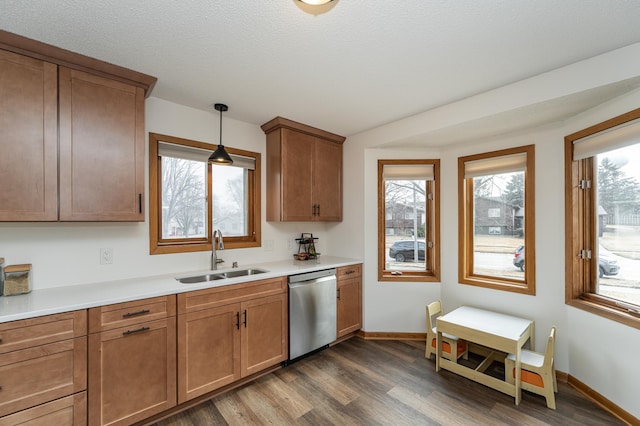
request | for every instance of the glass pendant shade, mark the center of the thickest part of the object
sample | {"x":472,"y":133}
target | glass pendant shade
{"x":220,"y":155}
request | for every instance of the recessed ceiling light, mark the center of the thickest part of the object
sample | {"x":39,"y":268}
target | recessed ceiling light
{"x":316,"y":2}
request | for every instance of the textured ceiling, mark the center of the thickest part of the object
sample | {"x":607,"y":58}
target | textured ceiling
{"x":350,"y":66}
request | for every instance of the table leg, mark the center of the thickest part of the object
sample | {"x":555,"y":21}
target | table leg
{"x":438,"y":350}
{"x":518,"y":374}
{"x":532,"y":334}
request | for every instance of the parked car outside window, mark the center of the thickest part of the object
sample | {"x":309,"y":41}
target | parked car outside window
{"x":606,"y":264}
{"x":404,"y":250}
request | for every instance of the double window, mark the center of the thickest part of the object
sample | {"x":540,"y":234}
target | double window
{"x":190,"y":197}
{"x":603,"y":218}
{"x":408,"y":220}
{"x":496,"y":220}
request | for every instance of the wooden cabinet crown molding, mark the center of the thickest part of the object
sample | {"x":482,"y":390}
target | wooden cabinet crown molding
{"x":48,"y":53}
{"x":285,"y":123}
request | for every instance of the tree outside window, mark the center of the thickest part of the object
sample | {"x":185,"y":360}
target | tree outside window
{"x":190,"y":196}
{"x":496,"y":202}
{"x":602,"y":165}
{"x":408,"y":221}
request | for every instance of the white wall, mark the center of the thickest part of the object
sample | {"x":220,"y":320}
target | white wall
{"x":603,"y":354}
{"x":68,"y":253}
{"x":593,"y":349}
{"x":597,"y":351}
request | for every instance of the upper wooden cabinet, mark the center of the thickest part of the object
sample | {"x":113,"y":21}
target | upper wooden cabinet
{"x":304,"y":172}
{"x":101,"y":148}
{"x":28,"y":139}
{"x":70,"y":119}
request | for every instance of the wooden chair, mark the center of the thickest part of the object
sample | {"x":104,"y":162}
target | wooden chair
{"x":452,"y":347}
{"x":538,"y":373}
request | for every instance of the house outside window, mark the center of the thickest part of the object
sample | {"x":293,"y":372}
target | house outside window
{"x":408,"y":220}
{"x":602,"y":165}
{"x":496,"y":219}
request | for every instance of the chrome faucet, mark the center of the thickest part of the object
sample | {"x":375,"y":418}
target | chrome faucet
{"x":214,"y":254}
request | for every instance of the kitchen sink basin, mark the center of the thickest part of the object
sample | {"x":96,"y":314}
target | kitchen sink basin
{"x":200,"y":278}
{"x":242,"y":273}
{"x":220,"y":276}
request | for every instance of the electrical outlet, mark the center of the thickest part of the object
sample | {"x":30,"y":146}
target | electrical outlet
{"x":106,"y":256}
{"x":289,"y":244}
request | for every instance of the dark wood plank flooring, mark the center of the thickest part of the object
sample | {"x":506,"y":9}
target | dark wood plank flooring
{"x":365,"y":382}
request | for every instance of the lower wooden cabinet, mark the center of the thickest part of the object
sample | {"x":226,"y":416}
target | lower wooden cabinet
{"x":39,"y":374}
{"x":349,"y":299}
{"x":70,"y":410}
{"x":224,"y":342}
{"x":208,"y":350}
{"x":264,"y":333}
{"x":132,"y":369}
{"x":42,"y":361}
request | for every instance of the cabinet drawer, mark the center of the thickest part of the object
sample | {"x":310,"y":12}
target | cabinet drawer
{"x":129,"y":313}
{"x":40,"y":374}
{"x":68,"y":411}
{"x":30,"y":332}
{"x":219,"y":296}
{"x":349,"y":271}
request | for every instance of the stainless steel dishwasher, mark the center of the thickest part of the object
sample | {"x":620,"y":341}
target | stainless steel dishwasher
{"x":312,"y":311}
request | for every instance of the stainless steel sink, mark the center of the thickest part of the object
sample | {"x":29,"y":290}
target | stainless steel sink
{"x":200,"y":278}
{"x":212,"y":276}
{"x":242,"y":272}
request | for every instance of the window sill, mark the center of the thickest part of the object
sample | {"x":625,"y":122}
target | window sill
{"x":406,"y":277}
{"x":496,"y":284}
{"x":620,"y":315}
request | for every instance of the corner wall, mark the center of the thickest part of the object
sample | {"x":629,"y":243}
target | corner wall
{"x":598,"y":352}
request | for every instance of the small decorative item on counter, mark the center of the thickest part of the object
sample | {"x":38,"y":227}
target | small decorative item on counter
{"x":306,"y":247}
{"x":17,"y":279}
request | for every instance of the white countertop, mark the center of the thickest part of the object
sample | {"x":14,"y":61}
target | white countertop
{"x":63,"y":299}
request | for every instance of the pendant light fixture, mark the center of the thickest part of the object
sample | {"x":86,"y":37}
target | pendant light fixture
{"x":220,"y":155}
{"x":315,"y":2}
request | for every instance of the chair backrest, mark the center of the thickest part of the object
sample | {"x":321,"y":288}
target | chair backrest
{"x":434,"y":310}
{"x":548,"y":353}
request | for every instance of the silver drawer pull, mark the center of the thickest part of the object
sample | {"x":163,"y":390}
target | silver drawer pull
{"x":137,"y":330}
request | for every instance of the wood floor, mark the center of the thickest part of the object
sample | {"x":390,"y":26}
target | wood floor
{"x":364,"y":382}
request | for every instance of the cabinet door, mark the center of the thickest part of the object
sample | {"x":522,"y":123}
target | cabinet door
{"x":67,"y":411}
{"x":349,"y":305}
{"x":101,"y":148}
{"x":327,"y":180}
{"x":28,"y":139}
{"x":36,"y":375}
{"x":132,"y":372}
{"x":208,"y":350}
{"x":264,"y":333}
{"x":297,"y":153}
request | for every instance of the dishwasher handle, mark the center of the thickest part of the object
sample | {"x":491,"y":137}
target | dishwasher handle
{"x":314,"y":281}
{"x":310,"y":276}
